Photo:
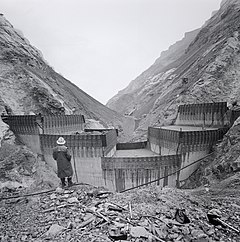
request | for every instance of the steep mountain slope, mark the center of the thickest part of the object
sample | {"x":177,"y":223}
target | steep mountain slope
{"x":28,"y":84}
{"x":207,"y":70}
{"x":150,"y":78}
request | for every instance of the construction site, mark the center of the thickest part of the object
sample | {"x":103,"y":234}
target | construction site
{"x":126,"y":191}
{"x":168,"y":156}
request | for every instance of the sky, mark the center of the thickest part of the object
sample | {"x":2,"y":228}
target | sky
{"x":102,"y":45}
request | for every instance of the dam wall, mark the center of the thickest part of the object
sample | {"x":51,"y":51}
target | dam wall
{"x":40,"y":134}
{"x":96,"y":154}
{"x":203,"y":114}
{"x":131,"y":146}
{"x":22,"y":124}
{"x":121,"y":173}
{"x":38,"y":124}
{"x":163,"y":141}
{"x":63,"y":124}
{"x":109,"y":142}
{"x":86,"y":151}
{"x":191,"y":145}
{"x":26,"y":129}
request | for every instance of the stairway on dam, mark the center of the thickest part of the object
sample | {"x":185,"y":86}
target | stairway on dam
{"x":167,"y":158}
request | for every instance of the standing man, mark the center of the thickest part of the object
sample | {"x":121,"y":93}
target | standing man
{"x":63,"y":158}
{"x":74,"y":110}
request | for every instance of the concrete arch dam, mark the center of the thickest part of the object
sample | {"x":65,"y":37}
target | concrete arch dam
{"x":99,"y":160}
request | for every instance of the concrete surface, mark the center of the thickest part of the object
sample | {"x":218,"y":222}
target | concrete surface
{"x":134,"y":153}
{"x":187,"y":128}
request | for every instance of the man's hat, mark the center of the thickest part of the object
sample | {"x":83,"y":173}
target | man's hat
{"x":61,"y":141}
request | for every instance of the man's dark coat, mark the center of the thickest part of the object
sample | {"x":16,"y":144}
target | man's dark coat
{"x":63,"y":158}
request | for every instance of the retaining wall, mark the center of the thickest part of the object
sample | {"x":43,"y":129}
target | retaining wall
{"x":191,"y":145}
{"x":203,"y":114}
{"x":132,"y":146}
{"x":189,"y":158}
{"x":86,"y":169}
{"x":166,"y":141}
{"x":40,"y":133}
{"x":86,"y":151}
{"x":86,"y":147}
{"x":121,"y":173}
{"x":29,"y":127}
{"x":163,"y":141}
{"x":73,"y":141}
{"x":83,"y":145}
{"x":27,"y":130}
{"x":37,"y":124}
{"x":63,"y":124}
{"x":22,"y":124}
{"x":109,"y":141}
{"x":92,"y":153}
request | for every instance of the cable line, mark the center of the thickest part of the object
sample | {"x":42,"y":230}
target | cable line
{"x":147,"y":183}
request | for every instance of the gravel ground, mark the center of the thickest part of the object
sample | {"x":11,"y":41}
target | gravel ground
{"x":85,"y":213}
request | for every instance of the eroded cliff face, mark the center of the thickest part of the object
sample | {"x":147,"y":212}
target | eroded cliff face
{"x":207,"y":69}
{"x":29,"y":85}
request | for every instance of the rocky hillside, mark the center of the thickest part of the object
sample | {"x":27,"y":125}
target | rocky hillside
{"x":144,"y":83}
{"x":203,"y":67}
{"x":29,"y":85}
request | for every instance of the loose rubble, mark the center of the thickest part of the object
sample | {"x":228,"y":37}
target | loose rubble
{"x":84,"y":213}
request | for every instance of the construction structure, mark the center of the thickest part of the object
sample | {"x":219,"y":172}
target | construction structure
{"x":99,"y":160}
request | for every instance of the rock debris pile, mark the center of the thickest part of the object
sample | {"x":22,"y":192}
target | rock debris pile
{"x":84,"y":213}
